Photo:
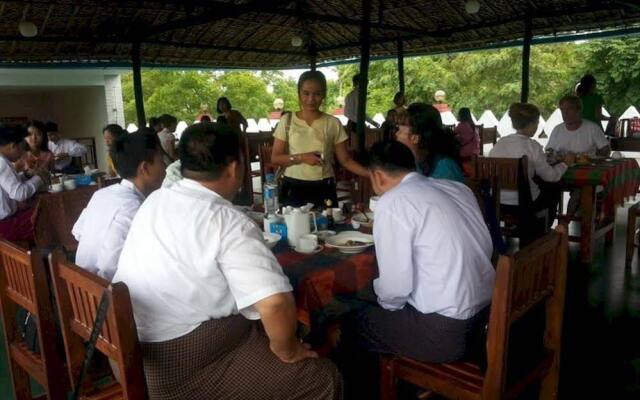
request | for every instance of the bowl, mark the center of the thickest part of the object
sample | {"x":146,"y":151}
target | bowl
{"x":69,"y":184}
{"x":359,"y":218}
{"x":56,"y":188}
{"x":340,"y":240}
{"x":271,"y":239}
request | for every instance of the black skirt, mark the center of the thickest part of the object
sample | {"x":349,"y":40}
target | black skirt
{"x":296,"y":192}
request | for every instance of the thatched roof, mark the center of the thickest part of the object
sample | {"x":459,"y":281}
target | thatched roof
{"x":258,"y":33}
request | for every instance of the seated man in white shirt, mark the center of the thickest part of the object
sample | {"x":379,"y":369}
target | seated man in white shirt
{"x":199,"y":272}
{"x":434,"y":260}
{"x":576,"y":136}
{"x":104,"y":224}
{"x":525,"y":119}
{"x":15,"y":189}
{"x":63,"y":150}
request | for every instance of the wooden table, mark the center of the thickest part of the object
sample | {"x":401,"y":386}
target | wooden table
{"x":619,"y":180}
{"x":55,"y":215}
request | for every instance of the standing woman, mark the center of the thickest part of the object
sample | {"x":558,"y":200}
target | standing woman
{"x":111,"y":134}
{"x":38,"y":154}
{"x":468,"y":138}
{"x":592,"y":102}
{"x":233,"y":117}
{"x":305,"y":142}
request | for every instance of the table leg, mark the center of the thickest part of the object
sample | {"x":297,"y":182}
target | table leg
{"x":587,"y":226}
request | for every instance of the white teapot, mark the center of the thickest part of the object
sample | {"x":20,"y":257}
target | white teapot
{"x":298,"y":223}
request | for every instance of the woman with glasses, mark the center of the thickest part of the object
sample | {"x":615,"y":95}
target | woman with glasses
{"x":305,"y":143}
{"x":436,"y":150}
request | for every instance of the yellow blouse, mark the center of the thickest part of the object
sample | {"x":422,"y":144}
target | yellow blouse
{"x":322,"y":136}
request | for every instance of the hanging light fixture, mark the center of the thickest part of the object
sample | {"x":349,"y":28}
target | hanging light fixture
{"x":296,"y":41}
{"x":27,"y":29}
{"x":472,"y":6}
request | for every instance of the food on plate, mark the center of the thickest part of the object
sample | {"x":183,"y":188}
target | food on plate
{"x":354,"y":243}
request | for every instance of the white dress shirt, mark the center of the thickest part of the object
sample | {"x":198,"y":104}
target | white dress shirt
{"x":516,"y":146}
{"x":588,"y":138}
{"x":66,"y":146}
{"x":167,"y":138}
{"x":14,"y":188}
{"x":351,"y":108}
{"x":103,"y":227}
{"x":190,"y":257}
{"x":433,"y":249}
{"x":173,"y":174}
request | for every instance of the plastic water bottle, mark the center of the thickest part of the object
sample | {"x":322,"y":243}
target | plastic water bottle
{"x":270,"y":195}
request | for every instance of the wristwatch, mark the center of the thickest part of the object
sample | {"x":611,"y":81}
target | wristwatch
{"x":293,"y":159}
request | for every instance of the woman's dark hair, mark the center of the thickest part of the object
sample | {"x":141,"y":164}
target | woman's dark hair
{"x":153,"y":121}
{"x":116,"y":130}
{"x":313,"y":76}
{"x":12,"y":134}
{"x":425,"y":121}
{"x":390,"y":156}
{"x":131,"y":150}
{"x":44,"y":145}
{"x":586,"y":85}
{"x":166,"y":120}
{"x":221,"y":100}
{"x":397,"y":97}
{"x":206,"y":149}
{"x":464,"y":115}
{"x":523,"y":114}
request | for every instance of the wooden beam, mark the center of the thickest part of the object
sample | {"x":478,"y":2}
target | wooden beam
{"x":137,"y":84}
{"x":365,"y":47}
{"x":400,"y":66}
{"x":526,"y":59}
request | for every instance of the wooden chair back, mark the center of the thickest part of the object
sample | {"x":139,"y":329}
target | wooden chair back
{"x":24,"y":283}
{"x":488,"y":135}
{"x":55,"y":215}
{"x":264,"y":152}
{"x":510,"y":173}
{"x":78,"y":294}
{"x":477,"y":185}
{"x":534,"y":276}
{"x":104,"y":181}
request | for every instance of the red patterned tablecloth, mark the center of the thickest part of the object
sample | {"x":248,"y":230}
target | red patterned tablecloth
{"x":318,"y":280}
{"x":619,"y":178}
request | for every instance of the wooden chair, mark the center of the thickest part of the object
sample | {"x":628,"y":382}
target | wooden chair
{"x":252,"y":144}
{"x":532,"y":278}
{"x":24,"y":283}
{"x":512,"y":174}
{"x":78,"y":294}
{"x":488,"y":136}
{"x":104,"y":181}
{"x":264,"y":153}
{"x":632,"y":232}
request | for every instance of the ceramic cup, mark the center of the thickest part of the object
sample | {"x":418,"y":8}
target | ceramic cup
{"x":57,"y":187}
{"x":337,"y":214}
{"x":307,"y":242}
{"x":69,"y":184}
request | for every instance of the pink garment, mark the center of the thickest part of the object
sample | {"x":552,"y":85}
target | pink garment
{"x":469,"y":140}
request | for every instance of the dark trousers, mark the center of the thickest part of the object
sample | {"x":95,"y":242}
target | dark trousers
{"x":296,"y":192}
{"x":407,"y":332}
{"x":548,"y":198}
{"x":18,"y":227}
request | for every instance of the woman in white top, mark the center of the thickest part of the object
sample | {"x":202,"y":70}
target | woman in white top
{"x":200,"y":274}
{"x":304,"y":144}
{"x":525,"y":118}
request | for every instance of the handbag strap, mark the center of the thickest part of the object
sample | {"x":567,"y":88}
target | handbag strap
{"x":101,"y":316}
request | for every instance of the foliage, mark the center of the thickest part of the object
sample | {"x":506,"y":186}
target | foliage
{"x":488,"y":79}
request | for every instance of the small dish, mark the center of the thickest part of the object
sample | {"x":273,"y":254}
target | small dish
{"x":271,"y":239}
{"x":324,"y":235}
{"x":317,"y":250}
{"x":360,"y":218}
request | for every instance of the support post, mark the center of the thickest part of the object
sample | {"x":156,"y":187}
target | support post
{"x":365,"y":47}
{"x":400,"y":66}
{"x":313,"y":56}
{"x":137,"y":84}
{"x":526,"y":59}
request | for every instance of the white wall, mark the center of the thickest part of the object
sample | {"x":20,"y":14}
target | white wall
{"x":79,"y":111}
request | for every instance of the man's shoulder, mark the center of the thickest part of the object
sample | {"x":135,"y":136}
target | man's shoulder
{"x":590,"y":126}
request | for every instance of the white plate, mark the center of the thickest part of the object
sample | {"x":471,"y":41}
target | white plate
{"x":338,"y":241}
{"x":271,"y":239}
{"x":317,"y":250}
{"x":324,"y":235}
{"x":358,"y":217}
